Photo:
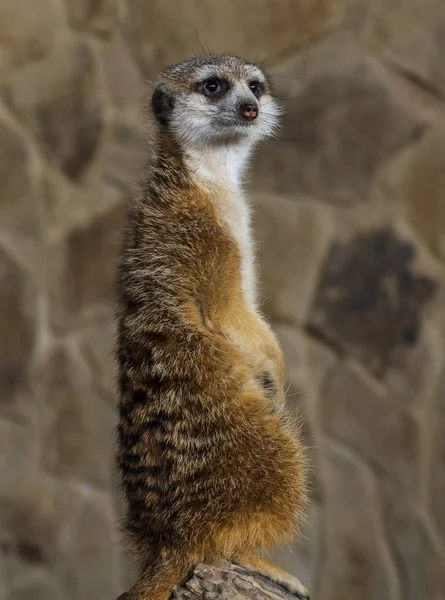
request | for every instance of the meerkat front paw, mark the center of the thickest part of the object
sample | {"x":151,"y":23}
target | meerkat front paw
{"x":275,"y":574}
{"x":295,"y":586}
{"x":290,"y":583}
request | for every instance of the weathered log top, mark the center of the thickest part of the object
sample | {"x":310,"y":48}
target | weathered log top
{"x":226,"y":581}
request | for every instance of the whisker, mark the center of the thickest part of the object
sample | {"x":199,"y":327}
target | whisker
{"x":200,"y":44}
{"x":263,"y":62}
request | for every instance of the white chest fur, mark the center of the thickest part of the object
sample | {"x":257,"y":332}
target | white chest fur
{"x":219,"y":171}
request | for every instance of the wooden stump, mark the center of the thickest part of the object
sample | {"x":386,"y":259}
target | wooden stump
{"x":226,"y":581}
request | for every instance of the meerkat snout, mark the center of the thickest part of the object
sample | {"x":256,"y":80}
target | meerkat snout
{"x":248,"y":111}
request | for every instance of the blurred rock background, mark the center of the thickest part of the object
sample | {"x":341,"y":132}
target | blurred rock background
{"x":350,"y":217}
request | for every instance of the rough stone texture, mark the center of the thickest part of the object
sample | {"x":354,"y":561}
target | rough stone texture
{"x":51,"y":531}
{"x":17,"y":330}
{"x":18,"y":452}
{"x":419,"y":556}
{"x":124,"y":79}
{"x":66,"y":206}
{"x":398,"y":29}
{"x":98,"y":15}
{"x":26,"y":33}
{"x":29,"y":534}
{"x":19,"y":216}
{"x":361,"y":286}
{"x":437,"y":486}
{"x":343,"y":120}
{"x":290,"y":241}
{"x":58,"y":99}
{"x":77,"y":422}
{"x":348,"y":567}
{"x":97,"y":345}
{"x":422,"y":190}
{"x":358,"y":412}
{"x":125,"y":153}
{"x":255,"y":29}
{"x":82,"y":284}
{"x":349,"y":215}
{"x":87,"y":564}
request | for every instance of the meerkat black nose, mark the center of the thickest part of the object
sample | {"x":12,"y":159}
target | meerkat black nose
{"x":249,"y":111}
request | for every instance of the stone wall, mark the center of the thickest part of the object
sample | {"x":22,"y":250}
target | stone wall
{"x":350,"y":216}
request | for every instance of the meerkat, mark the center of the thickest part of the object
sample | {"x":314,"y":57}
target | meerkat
{"x":209,"y":464}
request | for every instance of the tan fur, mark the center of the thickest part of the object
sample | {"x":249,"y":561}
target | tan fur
{"x":209,"y":464}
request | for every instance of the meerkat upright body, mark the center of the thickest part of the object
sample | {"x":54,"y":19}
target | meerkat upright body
{"x":209,"y":467}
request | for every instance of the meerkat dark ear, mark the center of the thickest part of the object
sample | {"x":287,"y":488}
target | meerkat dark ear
{"x":162,"y":103}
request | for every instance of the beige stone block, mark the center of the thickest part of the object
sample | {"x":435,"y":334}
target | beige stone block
{"x":58,"y":541}
{"x":124,"y":79}
{"x":126,"y":152}
{"x":349,"y":541}
{"x":20,"y":219}
{"x":255,"y":30}
{"x":371,"y":299}
{"x":28,"y":532}
{"x":290,"y":238}
{"x":97,"y":344}
{"x":87,"y":564}
{"x":67,"y":205}
{"x":412,"y":33}
{"x":18,"y":452}
{"x":82,"y":268}
{"x":37,"y":585}
{"x":27,"y":33}
{"x":366,"y":417}
{"x":436,"y":441}
{"x":419,"y":557}
{"x":342,"y":121}
{"x":99,"y":15}
{"x":57,"y":97}
{"x":77,"y":421}
{"x":422,"y":189}
{"x":17,"y":334}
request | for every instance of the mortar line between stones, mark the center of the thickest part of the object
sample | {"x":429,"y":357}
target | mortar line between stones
{"x":409,"y":75}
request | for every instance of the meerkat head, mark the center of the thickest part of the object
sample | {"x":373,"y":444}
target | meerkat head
{"x":215,"y":100}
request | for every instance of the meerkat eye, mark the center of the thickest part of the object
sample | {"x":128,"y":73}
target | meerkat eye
{"x":211,"y":87}
{"x":255,"y":87}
